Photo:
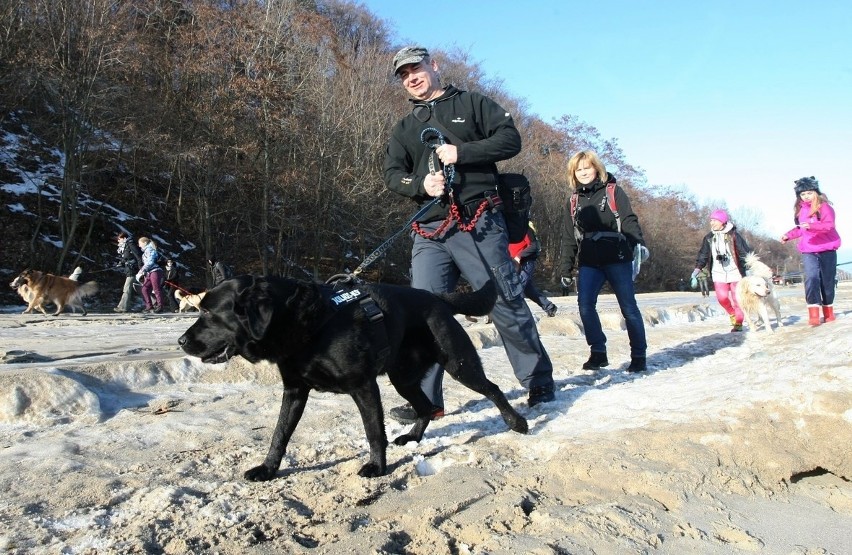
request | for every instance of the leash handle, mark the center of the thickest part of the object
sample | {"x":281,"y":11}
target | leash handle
{"x":449,"y":170}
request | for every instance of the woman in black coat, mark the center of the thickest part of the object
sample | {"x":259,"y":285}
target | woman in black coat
{"x":599,"y":240}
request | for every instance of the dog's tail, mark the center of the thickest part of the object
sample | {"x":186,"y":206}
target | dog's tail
{"x":75,"y":275}
{"x":750,"y":259}
{"x":478,"y":303}
{"x":86,"y":290}
{"x":178,"y":294}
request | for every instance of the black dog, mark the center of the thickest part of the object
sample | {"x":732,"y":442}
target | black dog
{"x":331,"y":341}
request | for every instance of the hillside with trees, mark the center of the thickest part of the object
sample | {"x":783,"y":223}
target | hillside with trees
{"x":254,"y":132}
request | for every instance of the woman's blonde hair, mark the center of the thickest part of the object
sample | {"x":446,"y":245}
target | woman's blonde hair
{"x":145,"y":241}
{"x":819,"y":198}
{"x":589,"y":156}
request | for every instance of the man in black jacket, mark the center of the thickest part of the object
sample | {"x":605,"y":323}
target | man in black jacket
{"x":171,"y":283}
{"x":130,"y":260}
{"x":463,"y":233}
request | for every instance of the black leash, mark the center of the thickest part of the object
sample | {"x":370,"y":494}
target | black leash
{"x":449,"y":174}
{"x":388,"y":242}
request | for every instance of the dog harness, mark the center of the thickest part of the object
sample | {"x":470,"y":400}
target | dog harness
{"x":343,"y":290}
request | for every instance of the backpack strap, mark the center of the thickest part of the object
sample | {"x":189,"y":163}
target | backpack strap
{"x":577,"y":235}
{"x":610,"y":195}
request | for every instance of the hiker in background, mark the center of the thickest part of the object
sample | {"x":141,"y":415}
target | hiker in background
{"x":219,"y":270}
{"x":600,"y":235}
{"x":150,"y":275}
{"x":724,"y":250}
{"x":130,"y":261}
{"x":171,"y":283}
{"x":463,"y":233}
{"x":818,"y":243}
{"x":704,"y":282}
{"x":525,"y":253}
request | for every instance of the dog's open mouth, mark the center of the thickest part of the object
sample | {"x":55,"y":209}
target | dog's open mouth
{"x":219,"y":358}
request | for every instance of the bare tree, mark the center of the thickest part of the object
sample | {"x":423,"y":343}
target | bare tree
{"x":72,"y":43}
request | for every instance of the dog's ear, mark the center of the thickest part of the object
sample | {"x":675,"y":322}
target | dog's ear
{"x":253,"y":306}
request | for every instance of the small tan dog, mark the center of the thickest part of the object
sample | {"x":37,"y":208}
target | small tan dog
{"x":191,"y":300}
{"x":755,"y":292}
{"x":37,"y":288}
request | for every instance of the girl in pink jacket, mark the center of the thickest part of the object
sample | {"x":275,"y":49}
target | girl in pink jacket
{"x":818,"y":243}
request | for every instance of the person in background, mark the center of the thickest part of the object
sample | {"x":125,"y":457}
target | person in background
{"x":219,"y":271}
{"x":601,"y":244}
{"x":172,"y":279}
{"x":704,"y":282}
{"x":151,"y":276}
{"x":462,"y":232}
{"x":724,"y":250}
{"x":525,"y":253}
{"x":818,"y":243}
{"x":130,"y":259}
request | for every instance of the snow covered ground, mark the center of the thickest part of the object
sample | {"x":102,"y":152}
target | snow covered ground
{"x":113,"y":441}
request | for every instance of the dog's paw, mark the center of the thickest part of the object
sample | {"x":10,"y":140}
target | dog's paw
{"x":405,"y":438}
{"x":371,"y":470}
{"x":518,"y":424}
{"x":260,"y":474}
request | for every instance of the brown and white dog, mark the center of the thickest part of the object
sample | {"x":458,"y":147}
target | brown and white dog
{"x":37,"y":288}
{"x":27,"y":294}
{"x":755,"y":292}
{"x":188,"y":301}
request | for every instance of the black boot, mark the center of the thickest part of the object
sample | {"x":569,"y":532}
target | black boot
{"x":540,"y":394}
{"x":596,"y":360}
{"x":637,"y":364}
{"x":406,"y":414}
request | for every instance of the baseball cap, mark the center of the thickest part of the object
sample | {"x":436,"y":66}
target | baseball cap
{"x":409,"y":55}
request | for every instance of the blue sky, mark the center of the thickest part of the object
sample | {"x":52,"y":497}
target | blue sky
{"x":731,"y":101}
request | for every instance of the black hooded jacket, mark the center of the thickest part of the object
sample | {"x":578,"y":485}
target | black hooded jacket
{"x":736,"y":244}
{"x":487,"y":134}
{"x":131,"y":257}
{"x":593,"y":214}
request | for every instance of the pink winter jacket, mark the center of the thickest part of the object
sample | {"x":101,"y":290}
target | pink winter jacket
{"x":822,"y":236}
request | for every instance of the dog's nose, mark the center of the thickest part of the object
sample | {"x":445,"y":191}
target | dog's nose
{"x":182,"y":340}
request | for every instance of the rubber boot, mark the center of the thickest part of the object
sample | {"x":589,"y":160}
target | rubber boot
{"x":828,"y":313}
{"x":813,"y":315}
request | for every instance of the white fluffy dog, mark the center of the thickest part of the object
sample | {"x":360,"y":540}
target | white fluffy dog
{"x":755,"y":292}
